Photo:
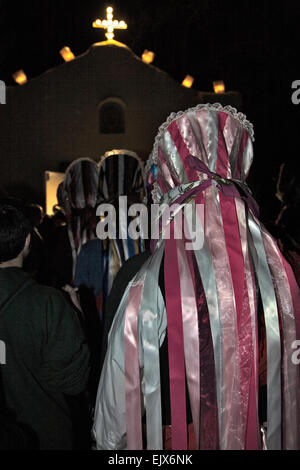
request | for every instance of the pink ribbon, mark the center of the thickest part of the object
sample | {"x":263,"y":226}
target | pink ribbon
{"x":231,"y":412}
{"x":236,"y":262}
{"x":229,"y":187}
{"x":175,"y":346}
{"x":132,"y":370}
{"x":287,"y":291}
{"x":252,"y":440}
{"x":191,"y":338}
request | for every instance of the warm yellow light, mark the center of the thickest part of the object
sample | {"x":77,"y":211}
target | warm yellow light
{"x":52,"y":181}
{"x":148,"y":56}
{"x":219,"y":87}
{"x":67,"y":54}
{"x":188,"y":81}
{"x":20,"y":77}
{"x":109,"y":24}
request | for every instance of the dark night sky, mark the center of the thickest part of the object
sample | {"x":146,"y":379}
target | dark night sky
{"x":253,"y":45}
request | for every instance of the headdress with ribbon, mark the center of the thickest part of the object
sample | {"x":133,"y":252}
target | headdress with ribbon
{"x":79,"y":194}
{"x":209,"y":306}
{"x":121,"y":173}
{"x":150,"y":178}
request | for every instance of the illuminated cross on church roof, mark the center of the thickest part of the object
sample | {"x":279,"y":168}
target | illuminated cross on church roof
{"x":109,"y":24}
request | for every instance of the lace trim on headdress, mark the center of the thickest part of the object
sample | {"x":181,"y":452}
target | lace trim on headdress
{"x":233,"y":112}
{"x":148,"y":164}
{"x":156,"y":193}
{"x":75,"y":162}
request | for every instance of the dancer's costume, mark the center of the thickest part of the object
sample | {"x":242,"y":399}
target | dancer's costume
{"x":208,"y":305}
{"x":80,"y":193}
{"x":120,"y":174}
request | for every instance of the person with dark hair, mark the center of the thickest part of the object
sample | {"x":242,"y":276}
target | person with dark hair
{"x":14,"y":234}
{"x":47,"y":358}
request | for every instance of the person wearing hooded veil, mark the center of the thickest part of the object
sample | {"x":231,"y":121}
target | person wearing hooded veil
{"x":208,"y":303}
{"x":80,"y":192}
{"x":129,"y":268}
{"x":120,"y":173}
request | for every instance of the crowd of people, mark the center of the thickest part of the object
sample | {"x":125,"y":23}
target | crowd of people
{"x":129,"y":343}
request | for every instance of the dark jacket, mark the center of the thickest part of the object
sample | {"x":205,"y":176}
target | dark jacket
{"x":47,"y":357}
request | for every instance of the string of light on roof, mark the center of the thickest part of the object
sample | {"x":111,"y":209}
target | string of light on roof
{"x":110,"y":25}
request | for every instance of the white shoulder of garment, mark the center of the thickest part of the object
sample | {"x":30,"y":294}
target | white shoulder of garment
{"x":109,"y":427}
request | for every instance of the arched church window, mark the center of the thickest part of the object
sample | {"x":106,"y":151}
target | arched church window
{"x":112,"y":116}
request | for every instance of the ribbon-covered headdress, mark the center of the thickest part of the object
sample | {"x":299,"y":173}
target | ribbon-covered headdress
{"x":121,"y":173}
{"x":212,"y":301}
{"x":80,"y":193}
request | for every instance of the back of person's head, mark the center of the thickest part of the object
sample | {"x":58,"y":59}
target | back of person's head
{"x":59,"y":217}
{"x":206,"y":139}
{"x":14,"y":229}
{"x":121,"y":173}
{"x":35,"y":214}
{"x":60,"y":194}
{"x":80,"y":186}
